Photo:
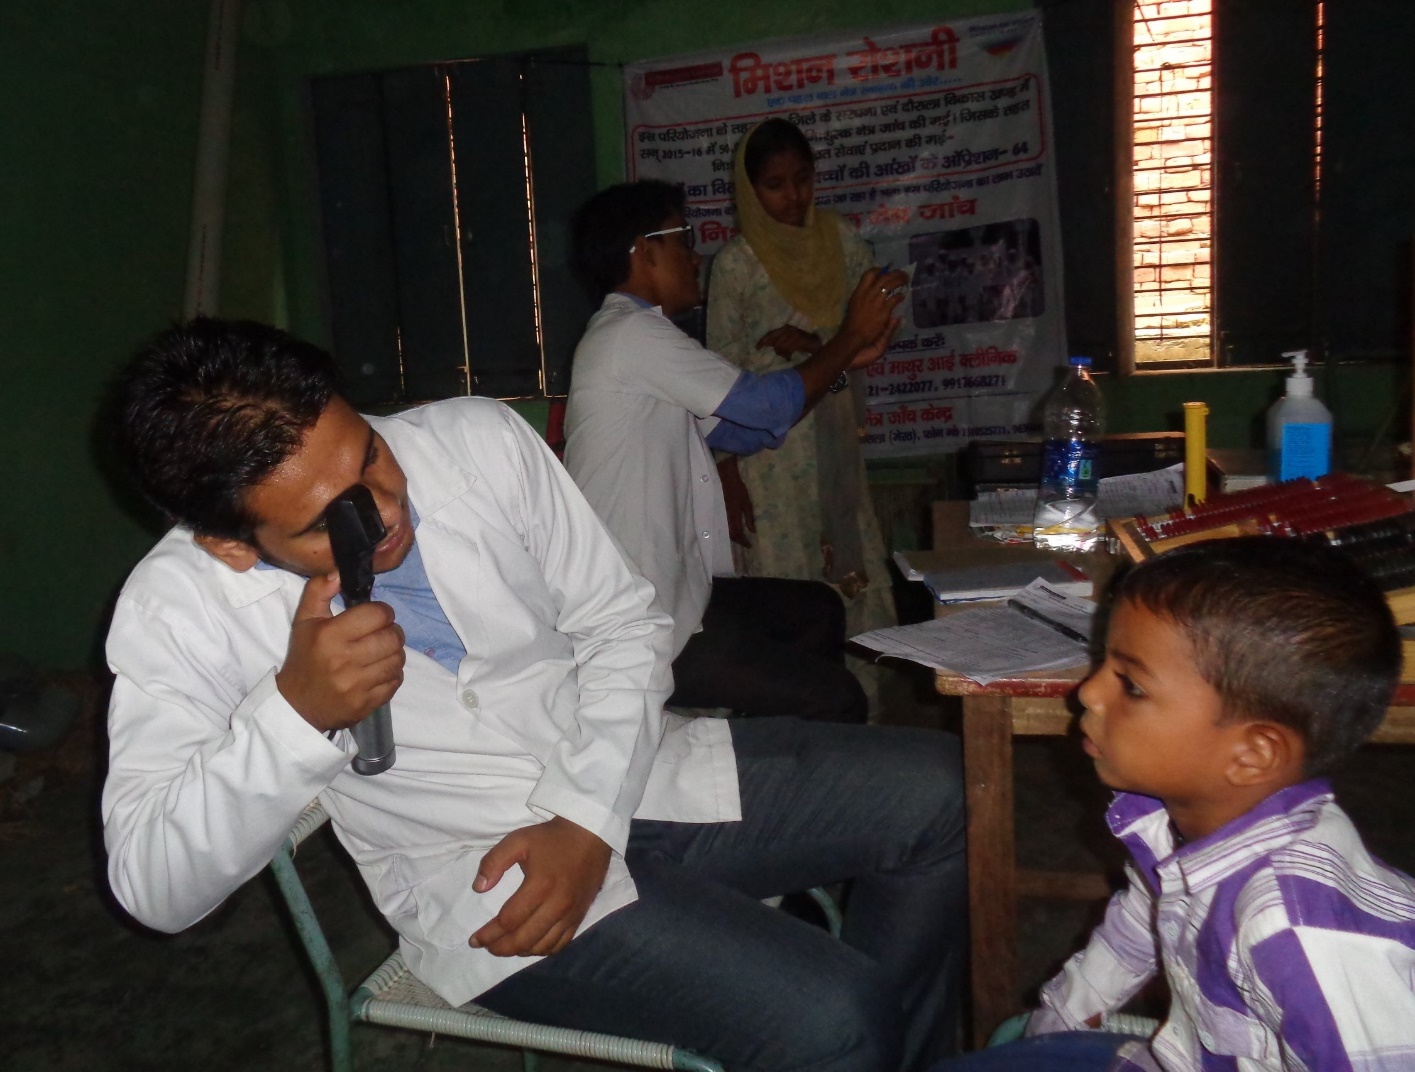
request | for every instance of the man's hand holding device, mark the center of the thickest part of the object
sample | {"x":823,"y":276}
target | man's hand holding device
{"x":341,"y":671}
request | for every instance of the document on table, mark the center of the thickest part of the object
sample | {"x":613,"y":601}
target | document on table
{"x":906,"y":567}
{"x":976,"y":581}
{"x":1119,"y":496}
{"x":1066,"y":612}
{"x":1002,"y":508}
{"x":985,"y":644}
{"x":1141,"y":493}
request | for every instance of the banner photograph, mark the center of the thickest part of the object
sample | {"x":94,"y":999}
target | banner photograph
{"x":934,"y":142}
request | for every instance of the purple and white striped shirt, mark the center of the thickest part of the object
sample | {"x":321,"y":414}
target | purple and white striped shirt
{"x":1285,"y":943}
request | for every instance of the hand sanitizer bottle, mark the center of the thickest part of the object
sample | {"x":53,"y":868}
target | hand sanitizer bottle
{"x":1299,"y":428}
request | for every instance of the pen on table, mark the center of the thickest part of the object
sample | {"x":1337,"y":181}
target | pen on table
{"x":1038,"y":616}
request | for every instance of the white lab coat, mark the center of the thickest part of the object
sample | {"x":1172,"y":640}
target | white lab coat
{"x":641,"y":403}
{"x":555,"y":710}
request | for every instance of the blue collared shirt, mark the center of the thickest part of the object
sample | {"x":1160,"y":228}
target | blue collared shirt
{"x":758,"y":411}
{"x":415,"y":607}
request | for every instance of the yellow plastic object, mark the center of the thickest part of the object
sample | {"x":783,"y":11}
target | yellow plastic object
{"x":1196,"y":448}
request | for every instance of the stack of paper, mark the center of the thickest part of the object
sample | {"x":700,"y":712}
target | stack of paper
{"x":1067,"y":614}
{"x":1006,"y":513}
{"x":907,"y":568}
{"x":988,"y":576}
{"x":966,"y":584}
{"x":988,"y":644}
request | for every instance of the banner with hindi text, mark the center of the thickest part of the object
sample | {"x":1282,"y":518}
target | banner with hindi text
{"x":935,"y":140}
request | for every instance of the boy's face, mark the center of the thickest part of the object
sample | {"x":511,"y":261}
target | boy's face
{"x":338,"y":451}
{"x":1152,"y":723}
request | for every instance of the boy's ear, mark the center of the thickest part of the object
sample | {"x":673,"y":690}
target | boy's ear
{"x":1265,"y":752}
{"x":237,"y":554}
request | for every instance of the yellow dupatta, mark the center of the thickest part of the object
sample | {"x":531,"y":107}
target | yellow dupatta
{"x":805,"y":264}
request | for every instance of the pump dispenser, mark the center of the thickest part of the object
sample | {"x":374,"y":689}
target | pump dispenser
{"x":1299,"y":428}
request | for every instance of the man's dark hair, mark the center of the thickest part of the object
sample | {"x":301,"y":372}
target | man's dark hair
{"x":1284,"y":631}
{"x":775,"y":135}
{"x":607,"y":224}
{"x":211,"y":408}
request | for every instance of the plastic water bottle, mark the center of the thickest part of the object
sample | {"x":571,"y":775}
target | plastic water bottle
{"x":1073,"y":420}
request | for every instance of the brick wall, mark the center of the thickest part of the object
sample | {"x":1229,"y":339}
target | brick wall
{"x":1173,"y":153}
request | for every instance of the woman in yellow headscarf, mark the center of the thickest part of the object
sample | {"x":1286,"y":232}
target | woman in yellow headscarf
{"x":778,"y":291}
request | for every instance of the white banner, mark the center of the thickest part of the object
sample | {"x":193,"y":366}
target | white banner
{"x":936,"y":141}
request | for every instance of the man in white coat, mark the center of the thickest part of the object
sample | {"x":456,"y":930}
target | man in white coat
{"x":540,"y":792}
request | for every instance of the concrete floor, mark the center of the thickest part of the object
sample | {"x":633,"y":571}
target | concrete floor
{"x":86,"y":989}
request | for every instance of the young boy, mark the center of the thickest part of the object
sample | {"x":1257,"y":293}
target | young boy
{"x":1237,"y":674}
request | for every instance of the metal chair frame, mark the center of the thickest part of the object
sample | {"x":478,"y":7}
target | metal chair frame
{"x":394,"y":997}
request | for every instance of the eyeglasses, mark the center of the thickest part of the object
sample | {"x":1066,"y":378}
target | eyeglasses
{"x":689,"y":239}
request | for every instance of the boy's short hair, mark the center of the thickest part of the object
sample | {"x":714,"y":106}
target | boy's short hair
{"x":209,"y":409}
{"x":1284,"y":631}
{"x":605,"y":227}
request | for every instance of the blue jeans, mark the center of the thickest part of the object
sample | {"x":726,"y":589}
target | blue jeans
{"x":1065,"y":1051}
{"x":700,"y":962}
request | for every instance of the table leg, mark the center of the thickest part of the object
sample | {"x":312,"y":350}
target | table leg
{"x":992,"y":860}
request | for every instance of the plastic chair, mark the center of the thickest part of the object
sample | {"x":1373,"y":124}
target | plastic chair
{"x":1121,"y":1023}
{"x":1010,"y":1030}
{"x":394,"y":997}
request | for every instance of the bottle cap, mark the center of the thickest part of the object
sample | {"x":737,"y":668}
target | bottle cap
{"x":1299,"y":384}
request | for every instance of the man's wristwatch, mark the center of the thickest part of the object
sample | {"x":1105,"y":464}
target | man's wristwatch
{"x":841,"y":382}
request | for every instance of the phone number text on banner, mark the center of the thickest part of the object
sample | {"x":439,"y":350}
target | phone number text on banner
{"x":935,"y":142}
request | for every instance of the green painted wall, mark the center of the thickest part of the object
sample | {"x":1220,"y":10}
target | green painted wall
{"x":326,"y":36}
{"x":1370,"y":406}
{"x":317,"y":37}
{"x":99,"y":123}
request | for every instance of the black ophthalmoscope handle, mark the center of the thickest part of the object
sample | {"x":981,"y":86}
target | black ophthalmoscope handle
{"x":355,"y":529}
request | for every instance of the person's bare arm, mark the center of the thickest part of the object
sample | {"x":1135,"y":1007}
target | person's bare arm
{"x":741,"y":516}
{"x":789,"y":340}
{"x":869,"y":325}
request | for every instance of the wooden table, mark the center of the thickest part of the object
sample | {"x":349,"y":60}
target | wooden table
{"x":1036,"y":704}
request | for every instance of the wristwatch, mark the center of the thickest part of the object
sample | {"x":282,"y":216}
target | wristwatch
{"x":841,"y":382}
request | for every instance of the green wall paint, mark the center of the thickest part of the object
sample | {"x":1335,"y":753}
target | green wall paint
{"x":100,"y":129}
{"x":318,"y":37}
{"x":1369,"y":403}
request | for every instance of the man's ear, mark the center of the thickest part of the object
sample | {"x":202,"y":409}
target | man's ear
{"x":643,"y":257}
{"x":642,"y":264}
{"x":237,"y":554}
{"x":1265,"y":752}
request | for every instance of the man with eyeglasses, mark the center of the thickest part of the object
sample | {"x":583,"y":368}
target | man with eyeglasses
{"x":648,"y":405}
{"x":805,"y":802}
